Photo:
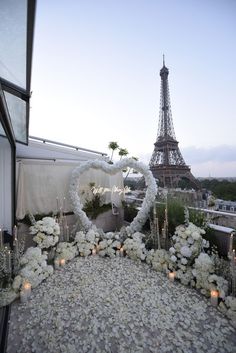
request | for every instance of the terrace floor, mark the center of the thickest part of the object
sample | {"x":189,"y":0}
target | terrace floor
{"x":116,"y":305}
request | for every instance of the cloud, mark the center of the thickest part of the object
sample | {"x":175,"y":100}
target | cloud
{"x":217,"y":161}
{"x":197,"y":155}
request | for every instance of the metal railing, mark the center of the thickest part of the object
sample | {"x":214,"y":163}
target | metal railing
{"x":60,"y":144}
{"x":221,"y":228}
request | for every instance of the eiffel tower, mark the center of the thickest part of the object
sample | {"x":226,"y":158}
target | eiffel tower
{"x":167,"y":163}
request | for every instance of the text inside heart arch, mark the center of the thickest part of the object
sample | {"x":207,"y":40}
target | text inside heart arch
{"x":140,"y":219}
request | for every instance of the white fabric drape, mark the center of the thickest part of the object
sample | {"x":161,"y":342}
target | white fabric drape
{"x":39,"y":184}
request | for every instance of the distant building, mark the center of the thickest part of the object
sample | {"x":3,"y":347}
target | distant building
{"x":226,"y":206}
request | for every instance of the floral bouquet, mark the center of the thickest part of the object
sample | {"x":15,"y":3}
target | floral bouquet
{"x":34,"y":269}
{"x":46,"y":232}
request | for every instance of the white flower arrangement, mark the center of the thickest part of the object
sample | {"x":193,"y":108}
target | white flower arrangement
{"x":185,"y":257}
{"x":148,"y":201}
{"x":159,"y":260}
{"x":187,"y":245}
{"x":7,"y":296}
{"x":66,"y":251}
{"x":34,"y":269}
{"x":205,"y":278}
{"x":47,"y":232}
{"x":86,"y":241}
{"x":134,"y":247}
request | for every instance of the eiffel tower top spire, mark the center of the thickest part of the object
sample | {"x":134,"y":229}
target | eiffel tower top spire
{"x":167,"y":163}
{"x":166,"y":128}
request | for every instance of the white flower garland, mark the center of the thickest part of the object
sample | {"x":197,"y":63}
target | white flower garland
{"x":148,"y":201}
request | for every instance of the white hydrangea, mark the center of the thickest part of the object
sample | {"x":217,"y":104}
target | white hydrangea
{"x":34,"y":269}
{"x":46,"y":232}
{"x":186,"y":251}
{"x":134,"y":247}
{"x":159,"y":260}
{"x":66,"y":251}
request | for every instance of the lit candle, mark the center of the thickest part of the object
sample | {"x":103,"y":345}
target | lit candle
{"x":67,"y":234}
{"x":171,"y":276}
{"x":64,"y":205}
{"x":58,"y":205}
{"x":1,"y":238}
{"x":62,"y":262}
{"x":214,"y":297}
{"x":27,"y":288}
{"x":25,"y":292}
{"x":231,"y":244}
{"x":15,"y":233}
{"x":94,"y":251}
{"x":56,"y":263}
{"x":61,"y":216}
{"x":8,"y":261}
{"x":154,"y":211}
{"x":122,"y":251}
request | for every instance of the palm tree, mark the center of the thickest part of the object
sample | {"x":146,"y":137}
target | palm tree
{"x":113,"y":146}
{"x":123,"y":152}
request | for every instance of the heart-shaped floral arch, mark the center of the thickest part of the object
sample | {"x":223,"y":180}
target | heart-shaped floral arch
{"x":140,"y":219}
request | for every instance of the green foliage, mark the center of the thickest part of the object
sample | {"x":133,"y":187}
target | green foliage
{"x":222,"y":189}
{"x":175,"y":214}
{"x":197,"y":218}
{"x":123,"y":152}
{"x":131,"y":183}
{"x":113,"y":145}
{"x":93,"y":207}
{"x":130,"y":211}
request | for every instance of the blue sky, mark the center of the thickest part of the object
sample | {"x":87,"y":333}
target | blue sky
{"x":96,"y":76}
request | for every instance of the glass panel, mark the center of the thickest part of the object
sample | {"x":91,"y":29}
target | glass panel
{"x":2,"y":132}
{"x":13,"y":27}
{"x":17,"y":111}
{"x":5,"y":183}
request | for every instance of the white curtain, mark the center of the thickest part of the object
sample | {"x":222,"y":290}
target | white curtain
{"x":40,"y":184}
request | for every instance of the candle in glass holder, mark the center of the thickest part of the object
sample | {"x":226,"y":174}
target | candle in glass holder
{"x":1,"y":238}
{"x":94,"y":251}
{"x":64,"y":205}
{"x":56,"y":263}
{"x":154,"y":211}
{"x":122,"y":251}
{"x":171,"y":276}
{"x":8,"y":261}
{"x":15,"y":233}
{"x":25,"y":292}
{"x":23,"y":296}
{"x":67,"y":234}
{"x":62,"y":262}
{"x":214,"y":297}
{"x":58,"y":207}
{"x":27,"y":288}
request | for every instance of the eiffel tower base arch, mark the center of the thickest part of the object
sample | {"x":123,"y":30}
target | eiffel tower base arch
{"x":170,"y":176}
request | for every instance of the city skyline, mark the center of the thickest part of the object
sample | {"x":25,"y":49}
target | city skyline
{"x":96,"y":77}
